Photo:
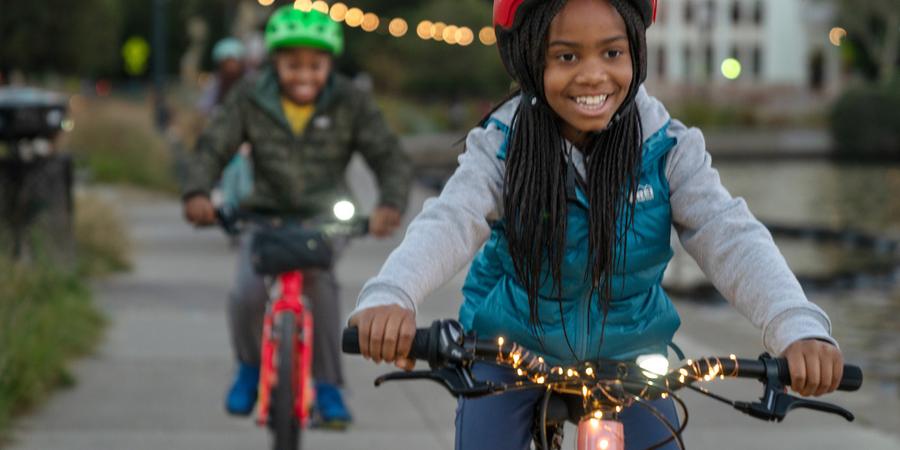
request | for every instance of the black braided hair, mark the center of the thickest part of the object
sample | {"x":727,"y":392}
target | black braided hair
{"x":535,"y":182}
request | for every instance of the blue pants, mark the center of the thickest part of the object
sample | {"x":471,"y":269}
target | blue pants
{"x":504,"y":422}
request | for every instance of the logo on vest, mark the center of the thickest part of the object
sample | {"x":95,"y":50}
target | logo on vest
{"x":644,"y":194}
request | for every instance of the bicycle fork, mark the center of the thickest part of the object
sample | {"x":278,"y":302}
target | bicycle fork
{"x":289,"y":301}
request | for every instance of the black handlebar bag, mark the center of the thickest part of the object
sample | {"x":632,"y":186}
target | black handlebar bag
{"x":277,"y":250}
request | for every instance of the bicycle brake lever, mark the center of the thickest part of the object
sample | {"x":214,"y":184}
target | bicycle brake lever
{"x":776,"y":405}
{"x":457,"y":381}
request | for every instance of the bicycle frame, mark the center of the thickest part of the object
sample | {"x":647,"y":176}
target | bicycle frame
{"x":289,"y":300}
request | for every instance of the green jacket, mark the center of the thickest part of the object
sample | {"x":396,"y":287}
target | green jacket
{"x":299,"y":175}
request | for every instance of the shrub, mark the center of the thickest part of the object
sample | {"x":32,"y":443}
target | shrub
{"x":865,"y":122}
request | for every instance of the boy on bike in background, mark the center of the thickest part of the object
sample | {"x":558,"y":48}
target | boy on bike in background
{"x":304,"y":122}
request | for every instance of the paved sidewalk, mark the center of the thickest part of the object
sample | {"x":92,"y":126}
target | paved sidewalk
{"x":158,"y":381}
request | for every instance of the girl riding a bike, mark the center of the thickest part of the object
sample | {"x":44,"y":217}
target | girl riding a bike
{"x":304,"y":122}
{"x":563,"y":202}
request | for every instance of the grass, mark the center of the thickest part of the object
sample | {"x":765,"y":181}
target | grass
{"x":114,"y":141}
{"x":47,"y":316}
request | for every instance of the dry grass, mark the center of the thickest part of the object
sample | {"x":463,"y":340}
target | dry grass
{"x":115,"y":141}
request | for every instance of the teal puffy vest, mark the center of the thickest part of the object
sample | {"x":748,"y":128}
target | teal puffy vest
{"x":641,"y":318}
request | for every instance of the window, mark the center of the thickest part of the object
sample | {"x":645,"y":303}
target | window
{"x":687,"y":62}
{"x":736,"y":12}
{"x":759,"y":13}
{"x":710,"y":61}
{"x":688,"y":12}
{"x":757,"y":62}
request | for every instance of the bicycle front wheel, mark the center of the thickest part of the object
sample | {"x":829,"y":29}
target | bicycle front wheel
{"x":284,"y":422}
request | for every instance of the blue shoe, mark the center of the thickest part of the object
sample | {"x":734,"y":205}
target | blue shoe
{"x":242,"y":395}
{"x":330,"y":405}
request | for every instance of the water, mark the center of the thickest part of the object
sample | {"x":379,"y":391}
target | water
{"x":866,"y":316}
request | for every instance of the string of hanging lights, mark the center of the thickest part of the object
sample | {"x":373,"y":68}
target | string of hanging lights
{"x":397,"y":27}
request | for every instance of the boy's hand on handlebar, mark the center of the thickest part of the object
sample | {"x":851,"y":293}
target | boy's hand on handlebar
{"x":816,"y":366}
{"x":386,"y":334}
{"x":199,"y":210}
{"x":384,"y":221}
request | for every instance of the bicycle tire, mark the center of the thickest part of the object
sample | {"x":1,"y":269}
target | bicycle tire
{"x":284,"y":423}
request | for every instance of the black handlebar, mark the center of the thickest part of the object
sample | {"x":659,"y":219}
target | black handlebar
{"x":426,"y":347}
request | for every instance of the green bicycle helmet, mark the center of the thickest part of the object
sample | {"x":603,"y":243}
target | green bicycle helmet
{"x":291,"y":27}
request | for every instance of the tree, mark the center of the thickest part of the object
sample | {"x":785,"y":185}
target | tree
{"x":60,"y":35}
{"x":874,"y":26}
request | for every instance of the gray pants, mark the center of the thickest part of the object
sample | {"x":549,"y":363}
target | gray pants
{"x":247,"y":306}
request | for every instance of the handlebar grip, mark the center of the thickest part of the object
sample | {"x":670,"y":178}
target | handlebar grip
{"x":419,"y":349}
{"x":850,"y":381}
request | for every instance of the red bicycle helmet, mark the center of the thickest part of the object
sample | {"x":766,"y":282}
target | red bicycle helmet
{"x":508,"y":12}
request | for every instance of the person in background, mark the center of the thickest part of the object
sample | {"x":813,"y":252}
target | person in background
{"x":305,"y":121}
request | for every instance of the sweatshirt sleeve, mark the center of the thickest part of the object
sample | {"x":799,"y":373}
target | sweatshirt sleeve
{"x":216,"y":145}
{"x":445,"y":236}
{"x":735,"y":250}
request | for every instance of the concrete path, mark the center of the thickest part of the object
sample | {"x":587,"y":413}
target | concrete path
{"x":158,"y":380}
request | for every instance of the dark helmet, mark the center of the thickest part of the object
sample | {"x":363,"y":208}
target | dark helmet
{"x":508,"y":13}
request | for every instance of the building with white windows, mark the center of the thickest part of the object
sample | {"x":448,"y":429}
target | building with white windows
{"x":782,"y":45}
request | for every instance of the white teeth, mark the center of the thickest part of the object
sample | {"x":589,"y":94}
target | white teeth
{"x":592,"y":100}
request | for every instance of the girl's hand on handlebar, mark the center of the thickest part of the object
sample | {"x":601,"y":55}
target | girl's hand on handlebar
{"x":816,"y":366}
{"x":386,"y":334}
{"x":199,"y":210}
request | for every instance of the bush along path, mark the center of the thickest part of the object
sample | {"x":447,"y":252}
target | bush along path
{"x":47,"y":316}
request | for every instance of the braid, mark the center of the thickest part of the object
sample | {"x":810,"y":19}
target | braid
{"x":535,"y":206}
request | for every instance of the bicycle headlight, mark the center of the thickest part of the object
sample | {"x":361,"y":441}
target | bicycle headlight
{"x":344,"y":210}
{"x":654,"y":365}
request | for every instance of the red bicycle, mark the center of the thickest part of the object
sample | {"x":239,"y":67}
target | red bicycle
{"x":282,"y":249}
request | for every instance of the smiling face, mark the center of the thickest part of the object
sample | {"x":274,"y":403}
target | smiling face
{"x":302,"y":73}
{"x":588,"y":66}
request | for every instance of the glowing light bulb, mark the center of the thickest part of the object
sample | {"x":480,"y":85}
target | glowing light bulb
{"x":598,"y":414}
{"x":424,"y":29}
{"x":354,"y":17}
{"x":487,"y":36}
{"x":398,"y":28}
{"x":303,"y":5}
{"x":836,"y":36}
{"x":465,"y":36}
{"x":338,"y":12}
{"x":449,"y":34}
{"x":437,"y":31}
{"x":589,"y":371}
{"x":731,"y":68}
{"x":540,"y":380}
{"x":320,"y":6}
{"x":500,"y":341}
{"x":370,"y":22}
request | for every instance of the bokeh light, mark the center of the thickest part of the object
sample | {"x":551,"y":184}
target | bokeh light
{"x":731,"y":68}
{"x":303,"y":5}
{"x":354,"y":17}
{"x":449,"y":34}
{"x":320,"y":6}
{"x":266,"y":2}
{"x":437,"y":31}
{"x":424,"y":29}
{"x":465,"y":36}
{"x":487,"y":36}
{"x":836,"y":36}
{"x":338,"y":12}
{"x":398,"y":27}
{"x":370,"y":22}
